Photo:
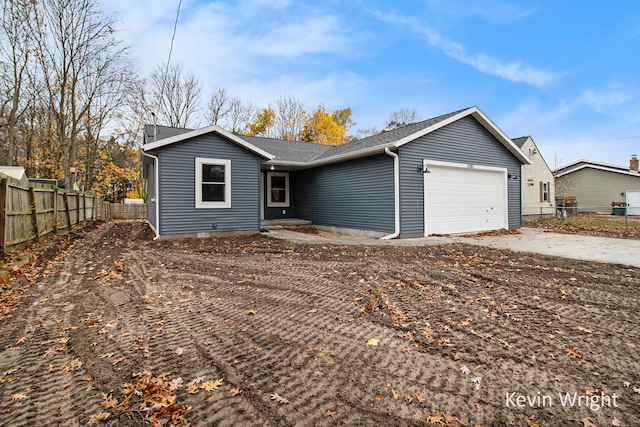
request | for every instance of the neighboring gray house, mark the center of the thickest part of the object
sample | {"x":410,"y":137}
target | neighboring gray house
{"x":453,"y":173}
{"x":595,"y":185}
{"x":538,"y":188}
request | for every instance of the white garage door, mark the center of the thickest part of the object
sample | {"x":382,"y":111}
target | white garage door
{"x":460,"y":198}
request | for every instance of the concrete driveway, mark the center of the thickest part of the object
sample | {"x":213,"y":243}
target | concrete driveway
{"x":573,"y":246}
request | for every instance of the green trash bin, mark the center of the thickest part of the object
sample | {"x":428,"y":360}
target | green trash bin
{"x":619,"y":210}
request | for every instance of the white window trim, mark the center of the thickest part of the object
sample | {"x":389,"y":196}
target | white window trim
{"x":284,"y":204}
{"x":545,"y":193}
{"x":227,"y":181}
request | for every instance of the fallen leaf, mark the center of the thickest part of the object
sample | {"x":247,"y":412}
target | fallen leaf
{"x":179,"y":351}
{"x":331,"y":414}
{"x":394,"y":394}
{"x":636,"y":390}
{"x":197,"y":380}
{"x":98,"y":417}
{"x":437,"y":419}
{"x":587,"y":422}
{"x":531,"y":422}
{"x":627,"y":384}
{"x":71,"y":366}
{"x":9,"y":372}
{"x":251,"y":312}
{"x":420,"y":398}
{"x":175,"y":384}
{"x":211,"y":385}
{"x":108,"y":402}
{"x":465,"y":370}
{"x":235,"y":391}
{"x":192,"y":389}
{"x":616,"y":422}
{"x":87,"y":378}
{"x":373,"y":342}
{"x":379,"y":397}
{"x":278,"y":399}
{"x":19,"y":396}
{"x":572,"y":351}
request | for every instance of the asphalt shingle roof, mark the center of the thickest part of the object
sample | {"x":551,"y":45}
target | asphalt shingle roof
{"x":285,"y":150}
{"x":384,"y":138}
{"x":305,"y":152}
{"x":162,"y":132}
{"x":520,"y":141}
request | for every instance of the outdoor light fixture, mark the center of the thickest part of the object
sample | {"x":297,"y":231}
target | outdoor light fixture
{"x":512,"y":176}
{"x":272,"y":167}
{"x":423,"y":170}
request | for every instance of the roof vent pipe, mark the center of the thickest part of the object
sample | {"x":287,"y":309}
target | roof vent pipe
{"x":155,"y":126}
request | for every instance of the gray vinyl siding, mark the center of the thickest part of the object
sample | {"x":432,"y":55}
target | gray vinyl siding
{"x":177,"y":183}
{"x":151,"y":195}
{"x":356,"y":194}
{"x":463,"y":141}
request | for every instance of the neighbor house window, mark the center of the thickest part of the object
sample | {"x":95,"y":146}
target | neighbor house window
{"x":544,"y":191}
{"x":277,"y":189}
{"x":213,"y":183}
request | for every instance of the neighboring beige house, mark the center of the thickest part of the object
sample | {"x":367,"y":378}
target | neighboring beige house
{"x":538,"y":189}
{"x":597,"y":185}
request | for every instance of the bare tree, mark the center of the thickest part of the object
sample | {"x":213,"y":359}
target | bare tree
{"x":240,"y":114}
{"x":402,"y":117}
{"x":78,"y":53}
{"x":290,"y":118}
{"x":173,"y":96}
{"x":16,"y":44}
{"x":218,"y":108}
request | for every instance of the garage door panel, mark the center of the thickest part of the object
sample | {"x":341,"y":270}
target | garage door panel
{"x":459,"y":199}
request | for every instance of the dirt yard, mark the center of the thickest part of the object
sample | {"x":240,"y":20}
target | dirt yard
{"x":118,"y":330}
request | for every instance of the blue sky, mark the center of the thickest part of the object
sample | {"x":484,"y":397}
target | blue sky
{"x":565,"y":72}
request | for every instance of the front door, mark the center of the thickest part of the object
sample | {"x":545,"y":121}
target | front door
{"x":277,"y":193}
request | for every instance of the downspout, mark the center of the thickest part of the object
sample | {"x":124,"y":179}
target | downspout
{"x":157,"y":195}
{"x":396,"y":188}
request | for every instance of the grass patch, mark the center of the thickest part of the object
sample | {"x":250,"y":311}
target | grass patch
{"x":591,"y":220}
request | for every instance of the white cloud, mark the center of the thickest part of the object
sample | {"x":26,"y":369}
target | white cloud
{"x":605,"y":101}
{"x":512,"y":71}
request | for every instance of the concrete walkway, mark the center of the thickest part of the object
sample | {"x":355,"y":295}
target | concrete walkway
{"x":573,"y":246}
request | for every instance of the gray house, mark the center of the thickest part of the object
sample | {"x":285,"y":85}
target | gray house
{"x":450,"y":174}
{"x":596,"y":185}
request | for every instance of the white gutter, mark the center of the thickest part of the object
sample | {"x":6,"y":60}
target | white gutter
{"x":157,"y":193}
{"x":396,"y":188}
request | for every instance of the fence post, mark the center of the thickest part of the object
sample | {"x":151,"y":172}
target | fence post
{"x":3,"y":218}
{"x":55,"y":209}
{"x":66,"y":208}
{"x":34,"y":212}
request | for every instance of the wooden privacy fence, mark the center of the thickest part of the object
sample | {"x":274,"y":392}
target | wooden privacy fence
{"x":30,"y":211}
{"x":123,"y":211}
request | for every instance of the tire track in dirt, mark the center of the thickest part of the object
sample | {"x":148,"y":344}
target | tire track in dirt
{"x":50,"y":374}
{"x":275,"y":317}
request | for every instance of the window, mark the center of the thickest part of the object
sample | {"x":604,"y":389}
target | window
{"x":213,"y":183}
{"x":277,"y":189}
{"x":544,"y":191}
